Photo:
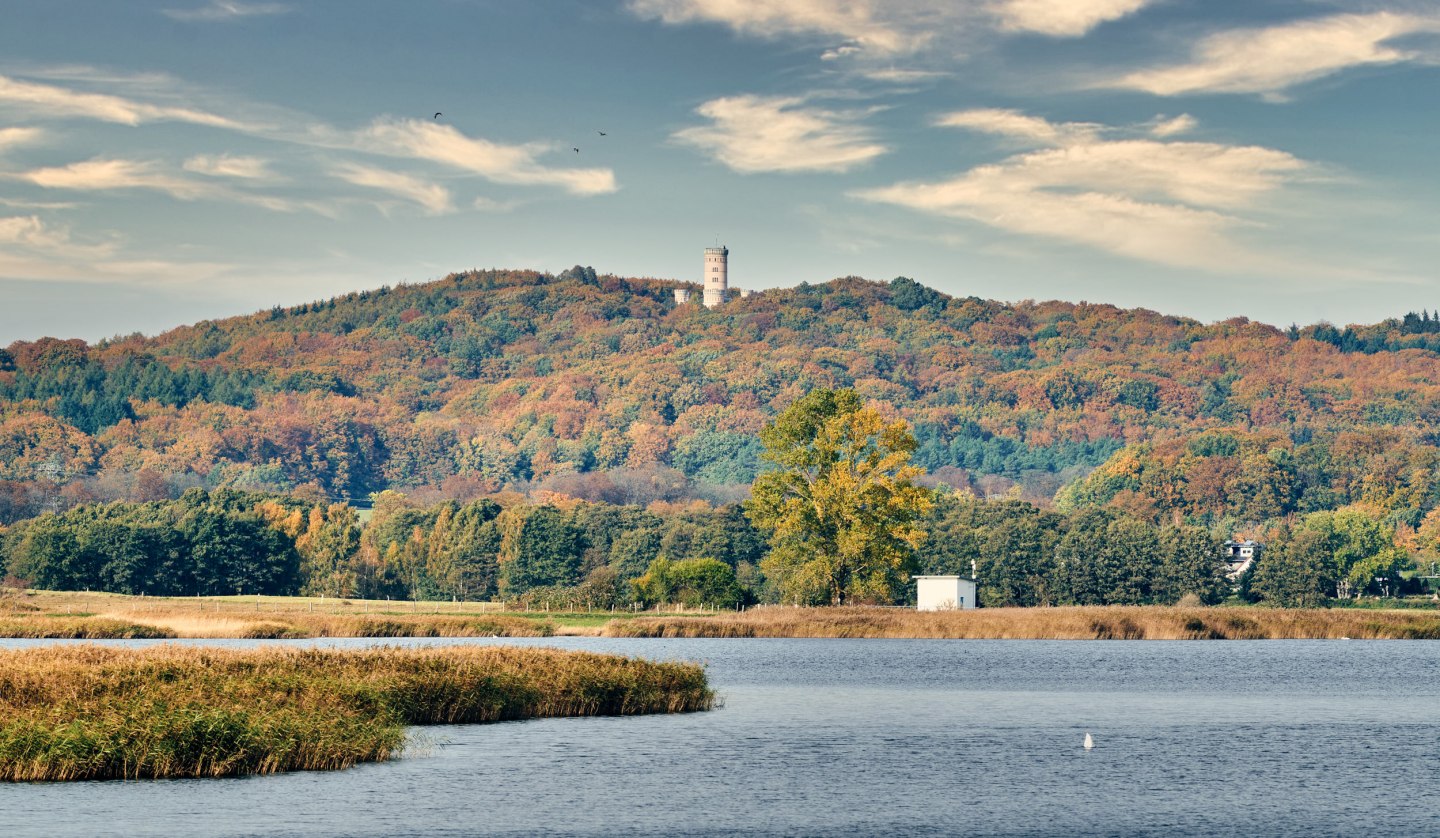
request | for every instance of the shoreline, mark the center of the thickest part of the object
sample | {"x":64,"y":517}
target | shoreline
{"x":96,"y":616}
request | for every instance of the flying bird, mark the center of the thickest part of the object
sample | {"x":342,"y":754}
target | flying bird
{"x":576,"y":150}
{"x":437,"y":115}
{"x":601,"y":133}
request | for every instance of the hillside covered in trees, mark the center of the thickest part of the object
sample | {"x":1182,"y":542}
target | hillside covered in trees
{"x":604,"y":389}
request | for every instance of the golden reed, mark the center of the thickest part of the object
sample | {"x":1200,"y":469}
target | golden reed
{"x":1065,"y":623}
{"x":86,"y":712}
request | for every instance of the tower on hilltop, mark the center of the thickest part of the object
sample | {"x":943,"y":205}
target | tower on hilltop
{"x":717,"y":280}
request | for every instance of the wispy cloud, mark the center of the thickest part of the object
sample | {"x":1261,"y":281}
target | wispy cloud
{"x":222,"y":10}
{"x":16,"y":137}
{"x":1062,"y":18}
{"x":1031,"y":130}
{"x":111,"y":174}
{"x":154,"y":98}
{"x":101,"y":174}
{"x":893,"y":75}
{"x":497,"y":162}
{"x":32,"y":233}
{"x":1164,"y":127}
{"x":433,"y":197}
{"x":1272,"y":59}
{"x":37,"y":99}
{"x":781,"y":134}
{"x":885,"y":28}
{"x":857,"y":21}
{"x":230,"y":166}
{"x":1173,"y":203}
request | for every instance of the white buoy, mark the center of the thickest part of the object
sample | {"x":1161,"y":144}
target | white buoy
{"x":1089,"y":741}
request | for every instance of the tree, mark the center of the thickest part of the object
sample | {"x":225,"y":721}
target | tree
{"x":538,"y":547}
{"x":694,"y":583}
{"x":1190,"y":563}
{"x":839,"y":508}
{"x":1294,"y":572}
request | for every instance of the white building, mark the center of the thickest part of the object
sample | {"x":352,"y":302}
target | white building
{"x":717,"y":281}
{"x":682,"y":295}
{"x":943,"y":593}
{"x":1240,"y":556}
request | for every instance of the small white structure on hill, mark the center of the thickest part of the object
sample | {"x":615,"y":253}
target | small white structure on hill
{"x":717,"y":279}
{"x":943,"y":593}
{"x":682,"y":295}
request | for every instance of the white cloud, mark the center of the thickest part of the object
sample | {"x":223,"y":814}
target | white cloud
{"x":778,"y":134}
{"x":1019,"y":126}
{"x":497,"y":162}
{"x":410,"y":139}
{"x":103,"y":174}
{"x":1173,"y":203}
{"x":433,"y":197}
{"x":892,"y":75}
{"x":880,"y":28}
{"x":16,"y":137}
{"x":225,"y":165}
{"x":1272,"y":59}
{"x":1182,"y":124}
{"x":1062,"y":18}
{"x":109,"y":174}
{"x":856,"y":21}
{"x":30,"y":240}
{"x":221,"y":10}
{"x":50,"y":100}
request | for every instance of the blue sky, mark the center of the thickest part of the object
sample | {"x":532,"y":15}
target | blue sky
{"x":163,"y":161}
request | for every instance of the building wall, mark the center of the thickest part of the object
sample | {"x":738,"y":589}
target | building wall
{"x":717,"y":279}
{"x":943,"y":593}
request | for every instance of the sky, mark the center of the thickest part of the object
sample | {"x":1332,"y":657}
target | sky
{"x":166,"y":161}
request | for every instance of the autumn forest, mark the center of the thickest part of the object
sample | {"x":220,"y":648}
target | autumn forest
{"x":616,"y":432}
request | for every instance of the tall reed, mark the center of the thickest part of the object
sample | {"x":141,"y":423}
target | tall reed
{"x":87,"y":712}
{"x":1070,"y":623}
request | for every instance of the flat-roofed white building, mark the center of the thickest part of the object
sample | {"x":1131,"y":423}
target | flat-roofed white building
{"x":943,"y":593}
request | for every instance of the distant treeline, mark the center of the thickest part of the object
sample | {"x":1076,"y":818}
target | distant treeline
{"x":577,"y":554}
{"x":1027,"y":556}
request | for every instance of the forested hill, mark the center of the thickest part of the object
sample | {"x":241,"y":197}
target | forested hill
{"x":606,"y":388}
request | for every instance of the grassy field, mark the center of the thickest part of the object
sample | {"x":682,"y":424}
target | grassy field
{"x":98,"y":615}
{"x":87,"y":712}
{"x":94,"y":615}
{"x":1072,"y":623}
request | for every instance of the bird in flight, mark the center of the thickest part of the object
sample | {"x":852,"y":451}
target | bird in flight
{"x":437,"y":115}
{"x":576,"y":150}
{"x":601,"y":133}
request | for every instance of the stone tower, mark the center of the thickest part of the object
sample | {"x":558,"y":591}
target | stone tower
{"x":716,"y":279}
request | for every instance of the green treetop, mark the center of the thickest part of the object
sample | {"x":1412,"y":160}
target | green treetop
{"x":839,"y":507}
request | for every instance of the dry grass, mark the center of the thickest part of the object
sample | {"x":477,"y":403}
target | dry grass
{"x":94,"y":615}
{"x":188,"y":623}
{"x":1077,"y":623}
{"x":87,"y":712}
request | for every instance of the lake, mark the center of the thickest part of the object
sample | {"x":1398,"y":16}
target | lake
{"x":875,"y":737}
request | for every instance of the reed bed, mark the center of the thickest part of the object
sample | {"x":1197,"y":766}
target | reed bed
{"x":89,"y":712}
{"x":191,"y":623}
{"x":1071,"y":623}
{"x":195,"y":623}
{"x":80,"y":628}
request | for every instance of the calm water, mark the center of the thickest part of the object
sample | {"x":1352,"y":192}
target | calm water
{"x":912,"y":737}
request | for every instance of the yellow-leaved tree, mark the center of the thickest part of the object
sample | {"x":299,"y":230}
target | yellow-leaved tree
{"x":839,"y":507}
